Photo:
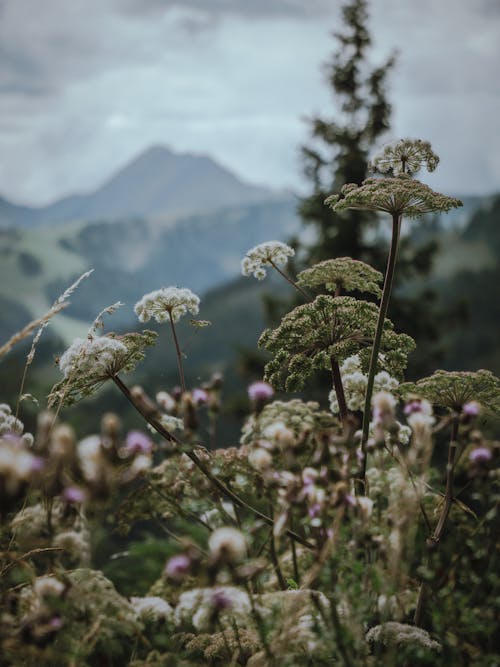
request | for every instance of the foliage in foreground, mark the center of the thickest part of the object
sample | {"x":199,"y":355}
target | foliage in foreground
{"x":359,"y":532}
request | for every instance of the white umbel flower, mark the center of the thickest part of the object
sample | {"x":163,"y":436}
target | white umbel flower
{"x":166,"y":303}
{"x":355,"y":383}
{"x":152,"y":607}
{"x":96,"y":355}
{"x":265,"y":254}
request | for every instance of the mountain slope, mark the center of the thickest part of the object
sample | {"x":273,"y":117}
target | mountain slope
{"x":156,"y":182}
{"x":131,"y":257}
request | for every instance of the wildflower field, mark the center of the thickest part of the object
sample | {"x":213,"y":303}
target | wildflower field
{"x":357,"y":529}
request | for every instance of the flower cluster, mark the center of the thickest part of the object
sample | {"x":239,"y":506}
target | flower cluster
{"x":396,"y":196}
{"x":342,"y":273}
{"x":456,"y":389}
{"x":329,"y":327}
{"x":167,"y":303}
{"x":393,"y":635}
{"x":265,"y":254}
{"x":96,"y":355}
{"x":355,"y":382}
{"x":11,"y":426}
{"x":20,"y":465}
{"x":406,"y":156}
{"x":88,"y":363}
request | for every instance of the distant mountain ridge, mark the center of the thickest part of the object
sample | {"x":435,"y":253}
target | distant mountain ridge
{"x":156,"y":182}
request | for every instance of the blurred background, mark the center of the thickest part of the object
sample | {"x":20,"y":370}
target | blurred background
{"x":156,"y":141}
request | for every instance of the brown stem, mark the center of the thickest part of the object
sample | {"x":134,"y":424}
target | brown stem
{"x":433,"y":541}
{"x":339,"y":391}
{"x":295,"y":562}
{"x":178,"y":353}
{"x":384,"y":304}
{"x":215,"y":481}
{"x":292,"y":282}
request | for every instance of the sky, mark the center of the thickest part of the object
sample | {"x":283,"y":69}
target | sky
{"x":85,"y":85}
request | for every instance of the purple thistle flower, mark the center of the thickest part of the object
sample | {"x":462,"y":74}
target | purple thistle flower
{"x":12,"y":437}
{"x":314,"y":511}
{"x":138,"y":443}
{"x":480,"y":455}
{"x":37,"y":464}
{"x":200,"y":396}
{"x":220,"y":601}
{"x":55,"y":623}
{"x":73,"y":494}
{"x":472,"y":408}
{"x":178,"y":567}
{"x":260,"y":391}
{"x":412,"y":407}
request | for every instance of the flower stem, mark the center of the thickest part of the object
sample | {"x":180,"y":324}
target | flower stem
{"x":384,"y":304}
{"x":292,"y":282}
{"x":339,"y":391}
{"x":213,"y":479}
{"x":178,"y":353}
{"x":434,"y":539}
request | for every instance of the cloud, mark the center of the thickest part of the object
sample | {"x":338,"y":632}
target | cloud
{"x":246,"y":8}
{"x":82,"y":91}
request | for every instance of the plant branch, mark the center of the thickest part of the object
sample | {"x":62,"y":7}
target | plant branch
{"x":215,"y":481}
{"x":384,"y":304}
{"x":289,"y":280}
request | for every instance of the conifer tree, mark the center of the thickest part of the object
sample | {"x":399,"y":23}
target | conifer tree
{"x":339,"y":152}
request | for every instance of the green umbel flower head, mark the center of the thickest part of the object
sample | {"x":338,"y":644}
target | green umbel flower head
{"x":453,"y":389}
{"x":344,"y":272}
{"x":329,"y":327}
{"x":89,"y":362}
{"x":406,"y":156}
{"x":396,"y":196}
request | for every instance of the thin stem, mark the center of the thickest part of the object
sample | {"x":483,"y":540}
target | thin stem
{"x":295,"y":562}
{"x":215,"y":481}
{"x":178,"y":353}
{"x":433,"y":541}
{"x":274,"y":557}
{"x":292,"y":282}
{"x":339,"y":391}
{"x":384,"y":304}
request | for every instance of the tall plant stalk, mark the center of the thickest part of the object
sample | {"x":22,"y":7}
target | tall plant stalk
{"x":435,"y":538}
{"x":178,"y":354}
{"x":382,"y":313}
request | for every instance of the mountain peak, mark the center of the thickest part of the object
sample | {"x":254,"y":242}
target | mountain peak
{"x":156,"y":181}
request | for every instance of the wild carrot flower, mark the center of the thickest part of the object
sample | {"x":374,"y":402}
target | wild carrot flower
{"x":396,"y":196}
{"x":166,"y":303}
{"x":89,"y":362}
{"x":312,"y":334}
{"x":342,"y":273}
{"x":455,"y":389}
{"x":265,"y":254}
{"x":406,"y":156}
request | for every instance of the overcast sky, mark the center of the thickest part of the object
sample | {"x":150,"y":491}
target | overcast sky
{"x":87,"y":84}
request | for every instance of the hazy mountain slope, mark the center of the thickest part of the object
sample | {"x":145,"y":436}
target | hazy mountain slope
{"x":158,"y":181}
{"x":14,"y":215}
{"x":131,"y":257}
